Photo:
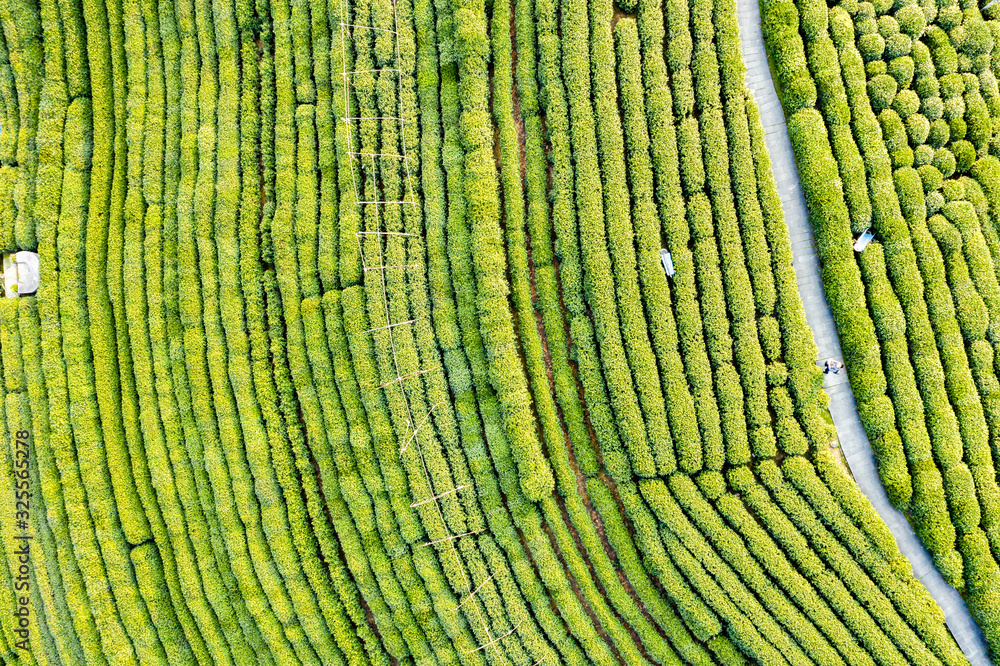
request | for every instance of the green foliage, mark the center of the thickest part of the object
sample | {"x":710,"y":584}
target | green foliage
{"x":881,"y":91}
{"x":918,"y":129}
{"x":780,"y":21}
{"x":906,"y":104}
{"x":902,"y":69}
{"x":925,"y":283}
{"x":939,"y":134}
{"x":228,"y":478}
{"x":911,"y":20}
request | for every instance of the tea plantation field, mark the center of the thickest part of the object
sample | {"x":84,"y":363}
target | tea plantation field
{"x":894,"y":113}
{"x":354,"y":346}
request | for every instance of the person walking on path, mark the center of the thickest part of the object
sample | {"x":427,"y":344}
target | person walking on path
{"x":832,"y":366}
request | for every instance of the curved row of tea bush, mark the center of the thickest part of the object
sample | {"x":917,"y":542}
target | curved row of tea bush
{"x":897,"y":106}
{"x":230,"y":469}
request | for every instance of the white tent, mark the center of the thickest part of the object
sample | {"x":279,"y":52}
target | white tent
{"x":667,"y":261}
{"x":863,"y":240}
{"x":20,"y":274}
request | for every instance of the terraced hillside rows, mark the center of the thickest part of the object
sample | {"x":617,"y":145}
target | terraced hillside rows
{"x":353,"y":346}
{"x":894,"y":113}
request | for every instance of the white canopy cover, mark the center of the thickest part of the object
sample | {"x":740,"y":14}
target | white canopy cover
{"x":20,"y":274}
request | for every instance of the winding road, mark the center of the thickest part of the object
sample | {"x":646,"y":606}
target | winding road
{"x":853,"y":440}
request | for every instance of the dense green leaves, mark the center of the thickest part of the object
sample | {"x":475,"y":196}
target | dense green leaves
{"x":928,"y":280}
{"x":547,"y":450}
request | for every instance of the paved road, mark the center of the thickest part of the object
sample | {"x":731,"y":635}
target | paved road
{"x":852,"y":436}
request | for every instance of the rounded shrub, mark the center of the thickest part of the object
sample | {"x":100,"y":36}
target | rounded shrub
{"x":934,"y":201}
{"x":922,"y":56}
{"x":865,"y":26}
{"x":901,"y":69}
{"x":712,"y":484}
{"x":875,"y":67}
{"x":800,"y":93}
{"x":930,"y":177}
{"x":897,"y":45}
{"x":881,"y":91}
{"x":740,"y":478}
{"x":949,"y":17}
{"x":872,"y":46}
{"x":950,"y":565}
{"x":981,"y":63}
{"x":972,"y":82}
{"x":878,"y":416}
{"x":901,"y":567}
{"x":891,"y":463}
{"x":927,"y":86}
{"x":893,"y":130}
{"x":849,"y":6}
{"x":964,"y":63}
{"x":866,"y":10}
{"x":932,"y":108}
{"x":944,"y":162}
{"x":957,"y":128}
{"x":770,"y":336}
{"x":923,"y":154}
{"x":776,"y":373}
{"x":902,"y":157}
{"x":952,"y":85}
{"x":883,"y":6}
{"x":906,"y":103}
{"x":991,"y":88}
{"x":911,"y":21}
{"x":887,"y":26}
{"x":945,"y":233}
{"x":940,"y":133}
{"x":917,"y":129}
{"x":981,"y":127}
{"x":965,"y":155}
{"x":953,"y":190}
{"x":957,"y":36}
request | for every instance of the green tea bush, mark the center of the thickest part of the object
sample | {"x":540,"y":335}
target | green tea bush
{"x":944,"y":161}
{"x":875,"y":68}
{"x":911,"y":21}
{"x":902,"y":69}
{"x":918,"y":128}
{"x":965,"y":155}
{"x":949,"y":16}
{"x":957,"y":128}
{"x":872,"y":46}
{"x":898,"y":45}
{"x":881,"y":91}
{"x":940,"y":133}
{"x":887,"y":26}
{"x":893,"y":130}
{"x":934,"y":201}
{"x":923,"y":154}
{"x":952,"y":85}
{"x":906,"y":103}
